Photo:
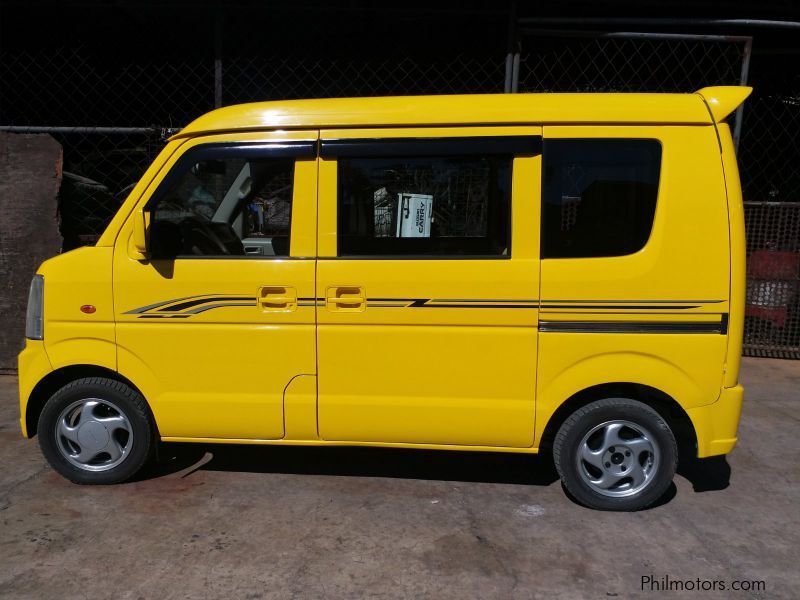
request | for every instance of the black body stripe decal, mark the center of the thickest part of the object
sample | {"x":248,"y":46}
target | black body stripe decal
{"x":182,"y":308}
{"x":631,"y":301}
{"x":204,"y":308}
{"x":455,"y":300}
{"x":634,"y":326}
{"x":142,"y":309}
{"x":191,"y":303}
{"x":434,"y":303}
{"x":622,"y":306}
{"x":724,"y":323}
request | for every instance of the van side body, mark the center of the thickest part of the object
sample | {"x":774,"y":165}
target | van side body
{"x":299,"y":320}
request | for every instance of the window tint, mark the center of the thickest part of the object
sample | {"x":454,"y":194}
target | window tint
{"x":458,"y":205}
{"x":229,"y":206}
{"x":598,"y":196}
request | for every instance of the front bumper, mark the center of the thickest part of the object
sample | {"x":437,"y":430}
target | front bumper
{"x":716,"y":424}
{"x":33,"y":365}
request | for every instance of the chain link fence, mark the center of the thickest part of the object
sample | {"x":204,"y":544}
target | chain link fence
{"x":767,"y":132}
{"x":772,"y":311}
{"x":627,"y":62}
{"x":769,"y":158}
{"x":110,"y":117}
{"x":102,"y":163}
{"x":248,"y":79}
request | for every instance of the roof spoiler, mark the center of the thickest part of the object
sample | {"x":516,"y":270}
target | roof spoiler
{"x":723,"y":100}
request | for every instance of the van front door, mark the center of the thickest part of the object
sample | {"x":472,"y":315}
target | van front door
{"x":220,"y":318}
{"x":427,"y":285}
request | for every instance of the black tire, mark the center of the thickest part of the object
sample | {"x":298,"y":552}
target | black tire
{"x":597,"y":416}
{"x":127,"y":401}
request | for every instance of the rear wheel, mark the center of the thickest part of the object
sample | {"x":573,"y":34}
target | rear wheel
{"x":96,"y":431}
{"x":615,"y":454}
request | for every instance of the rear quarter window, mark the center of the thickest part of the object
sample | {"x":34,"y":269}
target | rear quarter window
{"x":598,"y":196}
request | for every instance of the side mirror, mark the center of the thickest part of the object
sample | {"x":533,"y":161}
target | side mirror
{"x":138,"y":241}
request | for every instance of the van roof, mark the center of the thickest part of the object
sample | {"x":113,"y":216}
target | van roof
{"x":478,"y":109}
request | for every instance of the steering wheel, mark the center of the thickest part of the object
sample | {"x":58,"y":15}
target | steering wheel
{"x":201,"y":239}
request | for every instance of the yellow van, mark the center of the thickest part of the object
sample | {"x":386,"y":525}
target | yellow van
{"x":511,"y":273}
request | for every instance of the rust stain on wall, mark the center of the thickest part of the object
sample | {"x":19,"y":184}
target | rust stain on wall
{"x":30,"y":177}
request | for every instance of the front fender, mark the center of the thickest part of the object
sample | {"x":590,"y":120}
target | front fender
{"x":84,"y":349}
{"x":33,"y":366}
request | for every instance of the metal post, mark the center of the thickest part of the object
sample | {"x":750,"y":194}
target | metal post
{"x":512,"y":44}
{"x":218,"y":61}
{"x":509,"y":65}
{"x":737,"y":128}
{"x":638,"y":35}
{"x":81,"y":130}
{"x":515,"y":74}
{"x":659,"y":22}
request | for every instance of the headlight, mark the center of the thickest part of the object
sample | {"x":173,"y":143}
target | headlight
{"x":34,"y":319}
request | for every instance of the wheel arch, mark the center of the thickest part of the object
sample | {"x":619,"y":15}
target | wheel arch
{"x":57,"y":379}
{"x":665,"y":405}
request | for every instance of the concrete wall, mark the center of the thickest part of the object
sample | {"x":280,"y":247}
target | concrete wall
{"x":30,"y":176}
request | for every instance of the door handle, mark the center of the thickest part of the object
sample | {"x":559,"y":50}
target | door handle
{"x":346,"y":298}
{"x":277,"y":298}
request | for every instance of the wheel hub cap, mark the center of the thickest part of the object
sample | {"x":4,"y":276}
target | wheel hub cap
{"x":618,"y":458}
{"x":94,"y":434}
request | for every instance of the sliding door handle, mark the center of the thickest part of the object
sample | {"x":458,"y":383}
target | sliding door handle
{"x":277,"y":298}
{"x":346,"y":298}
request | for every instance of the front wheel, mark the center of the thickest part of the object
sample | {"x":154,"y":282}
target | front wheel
{"x":615,"y":454}
{"x":96,"y":431}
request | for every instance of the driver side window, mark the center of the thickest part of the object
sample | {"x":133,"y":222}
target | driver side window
{"x":223,"y":205}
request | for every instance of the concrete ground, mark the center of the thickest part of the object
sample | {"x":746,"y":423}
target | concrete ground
{"x":261,"y":522}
